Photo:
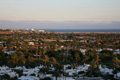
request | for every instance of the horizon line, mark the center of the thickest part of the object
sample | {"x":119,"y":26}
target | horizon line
{"x":65,"y":20}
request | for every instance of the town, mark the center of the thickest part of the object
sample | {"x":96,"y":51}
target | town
{"x":42,"y":55}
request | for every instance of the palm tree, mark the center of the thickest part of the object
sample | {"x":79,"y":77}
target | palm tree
{"x":22,"y":60}
{"x":76,"y":56}
{"x":58,"y":70}
{"x":14,"y":58}
{"x":116,"y":62}
{"x":53,"y":60}
{"x":46,"y":58}
{"x":97,"y":60}
{"x":85,"y":58}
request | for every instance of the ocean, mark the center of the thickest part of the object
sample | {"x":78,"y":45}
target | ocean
{"x":83,"y":30}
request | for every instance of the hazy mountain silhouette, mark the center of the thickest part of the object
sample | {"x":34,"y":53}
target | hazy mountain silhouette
{"x":59,"y":24}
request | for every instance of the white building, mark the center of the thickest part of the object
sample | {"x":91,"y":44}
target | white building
{"x":106,"y":71}
{"x":40,"y":31}
{"x":31,"y":43}
{"x":9,"y":52}
{"x":83,"y":51}
{"x":77,"y":69}
{"x":28,"y":78}
{"x":32,"y":29}
{"x":7,"y":70}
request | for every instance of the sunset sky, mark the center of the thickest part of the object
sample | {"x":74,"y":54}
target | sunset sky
{"x":60,"y":10}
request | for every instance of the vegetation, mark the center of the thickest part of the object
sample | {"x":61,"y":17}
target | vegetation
{"x":49,"y":48}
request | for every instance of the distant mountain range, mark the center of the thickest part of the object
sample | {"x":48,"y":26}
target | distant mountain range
{"x":59,"y":24}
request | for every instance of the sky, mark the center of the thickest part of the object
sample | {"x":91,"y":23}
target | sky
{"x":35,"y":12}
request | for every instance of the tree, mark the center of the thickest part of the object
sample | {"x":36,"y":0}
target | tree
{"x":3,"y":58}
{"x":44,"y":70}
{"x":97,"y":60}
{"x":58,"y":70}
{"x":53,"y":60}
{"x":14,"y":58}
{"x":30,"y":59}
{"x":106,"y":56}
{"x":91,"y":54}
{"x":46,"y":78}
{"x":116,"y":62}
{"x":22,"y":60}
{"x":5,"y":77}
{"x":20,"y":72}
{"x":76,"y":56}
{"x":20,"y":54}
{"x":93,"y":70}
{"x":46,"y":58}
{"x":85,"y":59}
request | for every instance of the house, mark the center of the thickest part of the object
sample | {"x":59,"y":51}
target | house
{"x":40,"y":31}
{"x":31,"y":43}
{"x":83,"y":51}
{"x":117,"y":76}
{"x":28,"y":72}
{"x":77,"y":69}
{"x":117,"y":51}
{"x":106,"y":71}
{"x":28,"y":78}
{"x":7,"y":70}
{"x":9,"y":52}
